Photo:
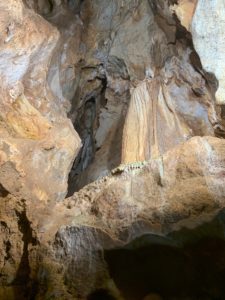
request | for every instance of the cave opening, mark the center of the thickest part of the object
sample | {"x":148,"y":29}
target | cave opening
{"x":195,"y":271}
{"x":188,"y":264}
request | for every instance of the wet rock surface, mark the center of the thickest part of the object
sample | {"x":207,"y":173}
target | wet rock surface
{"x":112,"y":157}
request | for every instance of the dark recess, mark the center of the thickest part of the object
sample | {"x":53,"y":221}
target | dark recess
{"x":186,"y":265}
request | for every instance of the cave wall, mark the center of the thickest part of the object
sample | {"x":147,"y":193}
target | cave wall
{"x":116,"y":46}
{"x":112,"y":126}
{"x":37,"y":139}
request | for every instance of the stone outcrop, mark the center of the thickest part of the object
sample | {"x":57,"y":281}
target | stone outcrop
{"x":111,"y":150}
{"x":38,"y":142}
{"x":154,"y":197}
{"x":199,"y":17}
{"x":208,"y":39}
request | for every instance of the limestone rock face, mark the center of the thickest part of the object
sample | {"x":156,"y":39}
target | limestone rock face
{"x":209,"y":42}
{"x":37,"y":140}
{"x":185,"y":10}
{"x":208,"y":36}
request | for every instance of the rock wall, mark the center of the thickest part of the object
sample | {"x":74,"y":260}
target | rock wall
{"x":38,"y":142}
{"x":208,"y":38}
{"x":143,"y":41}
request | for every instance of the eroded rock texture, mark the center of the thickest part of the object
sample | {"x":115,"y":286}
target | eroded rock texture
{"x":199,"y":17}
{"x":156,"y":197}
{"x":38,"y":142}
{"x":185,"y":10}
{"x":209,"y":39}
{"x":112,"y":157}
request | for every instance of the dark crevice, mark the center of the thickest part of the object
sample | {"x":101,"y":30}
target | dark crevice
{"x":3,"y":224}
{"x":86,"y":125}
{"x":172,"y":2}
{"x":101,"y":294}
{"x":3,"y":192}
{"x":22,"y":277}
{"x":7,"y":245}
{"x":95,"y":102}
{"x":51,"y":6}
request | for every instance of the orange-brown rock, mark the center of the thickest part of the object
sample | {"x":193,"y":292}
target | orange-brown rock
{"x":185,"y":10}
{"x":37,"y":140}
{"x":156,"y":197}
